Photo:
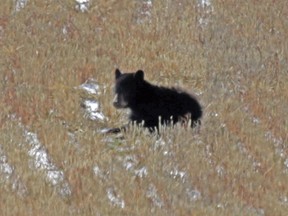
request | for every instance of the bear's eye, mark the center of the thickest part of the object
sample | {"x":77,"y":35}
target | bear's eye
{"x":121,"y":89}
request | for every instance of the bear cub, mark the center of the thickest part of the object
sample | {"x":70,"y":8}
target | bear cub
{"x":149,"y":103}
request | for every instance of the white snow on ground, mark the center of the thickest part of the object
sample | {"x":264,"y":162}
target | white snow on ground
{"x":92,"y":110}
{"x":91,"y":86}
{"x":20,"y":4}
{"x":100,"y":173}
{"x":206,"y":6}
{"x":92,"y":106}
{"x":204,"y":3}
{"x":5,"y":168}
{"x":193,"y":194}
{"x":8,"y":174}
{"x":141,"y":173}
{"x":130,"y":163}
{"x":114,"y":198}
{"x":175,"y":173}
{"x":82,"y":5}
{"x":42,"y":161}
{"x":152,"y":194}
{"x":144,"y":12}
{"x":112,"y":195}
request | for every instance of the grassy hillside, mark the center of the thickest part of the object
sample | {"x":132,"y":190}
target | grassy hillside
{"x":54,"y":161}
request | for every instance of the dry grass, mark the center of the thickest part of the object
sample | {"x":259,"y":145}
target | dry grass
{"x":236,"y":62}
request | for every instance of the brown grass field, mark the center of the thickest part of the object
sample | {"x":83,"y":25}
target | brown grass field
{"x":232,"y":54}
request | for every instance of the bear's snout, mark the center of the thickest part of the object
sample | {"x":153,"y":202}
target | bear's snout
{"x":116,"y":101}
{"x":119,"y":102}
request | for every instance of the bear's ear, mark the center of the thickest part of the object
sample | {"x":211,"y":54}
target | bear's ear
{"x":139,"y":75}
{"x":117,"y":73}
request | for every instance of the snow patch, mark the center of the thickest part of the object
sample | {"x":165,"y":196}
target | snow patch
{"x":92,"y":110}
{"x":153,"y":196}
{"x":92,"y":106}
{"x":82,"y":5}
{"x":114,"y":198}
{"x":7,"y":173}
{"x":20,"y":4}
{"x":42,"y":161}
{"x":91,"y":86}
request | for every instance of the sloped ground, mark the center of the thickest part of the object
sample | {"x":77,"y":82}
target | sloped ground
{"x":57,"y":73}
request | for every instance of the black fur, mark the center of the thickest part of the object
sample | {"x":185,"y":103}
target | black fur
{"x":148,"y":102}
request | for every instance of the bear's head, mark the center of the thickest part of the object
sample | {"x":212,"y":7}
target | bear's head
{"x":126,"y":87}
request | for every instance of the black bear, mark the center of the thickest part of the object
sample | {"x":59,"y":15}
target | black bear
{"x":149,"y":103}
